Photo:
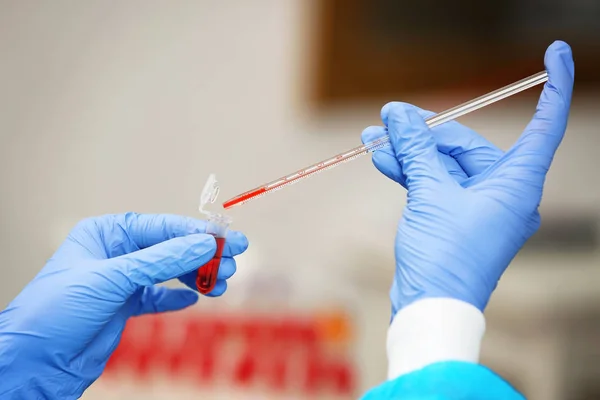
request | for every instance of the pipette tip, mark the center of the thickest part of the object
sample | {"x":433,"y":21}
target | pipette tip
{"x":244,"y":197}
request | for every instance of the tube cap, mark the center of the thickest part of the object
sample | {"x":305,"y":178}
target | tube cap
{"x":209,"y":193}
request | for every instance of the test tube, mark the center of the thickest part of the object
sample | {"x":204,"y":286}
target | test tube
{"x":206,"y":277}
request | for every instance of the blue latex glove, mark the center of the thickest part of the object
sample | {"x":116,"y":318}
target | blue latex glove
{"x":470,"y":206}
{"x":58,"y":333}
{"x":446,"y":381}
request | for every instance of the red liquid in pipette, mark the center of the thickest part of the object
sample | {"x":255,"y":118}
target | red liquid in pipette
{"x":244,"y":197}
{"x":207,"y":274}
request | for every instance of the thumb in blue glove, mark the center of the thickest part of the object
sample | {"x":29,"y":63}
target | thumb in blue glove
{"x":57,"y":335}
{"x":470,"y":207}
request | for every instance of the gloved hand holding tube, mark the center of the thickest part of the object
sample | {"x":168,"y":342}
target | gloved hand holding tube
{"x":58,"y":333}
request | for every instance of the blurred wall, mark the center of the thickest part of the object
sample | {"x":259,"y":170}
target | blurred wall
{"x":110,"y":106}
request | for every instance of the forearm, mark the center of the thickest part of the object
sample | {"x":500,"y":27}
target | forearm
{"x":433,"y":350}
{"x":433,"y":330}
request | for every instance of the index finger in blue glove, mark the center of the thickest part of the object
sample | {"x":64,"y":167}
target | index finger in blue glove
{"x":114,"y":235}
{"x":161,"y":262}
{"x":415,"y":148}
{"x":149,"y":229}
{"x":385,"y":160}
{"x":473,"y":152}
{"x":542,"y":136}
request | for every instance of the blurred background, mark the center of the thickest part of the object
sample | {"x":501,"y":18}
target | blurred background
{"x":114,"y":106}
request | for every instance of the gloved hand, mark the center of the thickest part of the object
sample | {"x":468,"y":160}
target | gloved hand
{"x":58,"y":333}
{"x":470,"y":206}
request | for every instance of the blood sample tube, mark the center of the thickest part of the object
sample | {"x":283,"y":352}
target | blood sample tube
{"x":207,"y":274}
{"x":217,"y":225}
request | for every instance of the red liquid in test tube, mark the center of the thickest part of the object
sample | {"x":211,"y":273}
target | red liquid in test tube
{"x":207,"y":274}
{"x":206,"y":277}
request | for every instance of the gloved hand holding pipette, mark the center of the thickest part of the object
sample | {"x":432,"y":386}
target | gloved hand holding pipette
{"x":471,"y":207}
{"x":456,"y":178}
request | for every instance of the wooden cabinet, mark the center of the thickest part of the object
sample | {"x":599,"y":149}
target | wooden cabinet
{"x":378,"y":49}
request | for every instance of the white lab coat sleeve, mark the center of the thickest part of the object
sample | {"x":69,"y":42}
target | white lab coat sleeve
{"x":433,"y":330}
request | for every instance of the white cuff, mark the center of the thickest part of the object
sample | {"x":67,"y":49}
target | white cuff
{"x":433,"y":330}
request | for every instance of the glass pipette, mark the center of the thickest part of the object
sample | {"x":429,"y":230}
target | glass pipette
{"x":356,"y":152}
